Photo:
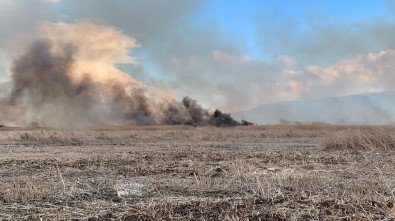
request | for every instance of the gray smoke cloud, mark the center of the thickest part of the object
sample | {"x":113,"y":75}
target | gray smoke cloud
{"x":20,"y":17}
{"x":65,"y":81}
{"x":311,"y":55}
{"x":43,"y":84}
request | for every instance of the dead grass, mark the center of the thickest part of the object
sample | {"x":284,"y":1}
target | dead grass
{"x":273,"y":173}
{"x":58,"y":137}
{"x":22,"y":189}
{"x":371,"y":139}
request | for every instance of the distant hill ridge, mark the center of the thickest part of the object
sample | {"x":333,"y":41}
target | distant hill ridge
{"x":365,"y":108}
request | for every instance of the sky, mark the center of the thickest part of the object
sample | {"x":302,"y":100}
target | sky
{"x":232,"y":55}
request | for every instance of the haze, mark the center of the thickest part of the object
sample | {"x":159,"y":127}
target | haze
{"x":230,"y":55}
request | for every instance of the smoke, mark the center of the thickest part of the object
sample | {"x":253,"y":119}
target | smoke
{"x":68,"y":78}
{"x":189,"y":112}
{"x":279,"y":56}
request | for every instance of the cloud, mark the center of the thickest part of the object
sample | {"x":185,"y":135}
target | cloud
{"x":254,"y":81}
{"x":320,"y":39}
{"x":363,"y":72}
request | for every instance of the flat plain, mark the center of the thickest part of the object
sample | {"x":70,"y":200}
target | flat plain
{"x":278,"y":172}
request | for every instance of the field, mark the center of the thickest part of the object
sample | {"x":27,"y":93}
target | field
{"x":282,"y":172}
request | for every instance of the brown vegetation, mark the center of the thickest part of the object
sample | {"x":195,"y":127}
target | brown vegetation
{"x":360,"y":139}
{"x":294,"y":172}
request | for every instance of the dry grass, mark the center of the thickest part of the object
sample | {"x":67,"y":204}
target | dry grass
{"x":360,"y":139}
{"x":246,"y":173}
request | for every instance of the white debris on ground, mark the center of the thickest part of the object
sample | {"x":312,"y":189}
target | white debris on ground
{"x":130,"y":189}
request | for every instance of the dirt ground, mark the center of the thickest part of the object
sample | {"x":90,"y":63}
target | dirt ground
{"x":186,"y":173}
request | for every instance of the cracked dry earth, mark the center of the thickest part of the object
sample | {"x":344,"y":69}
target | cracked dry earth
{"x":182,"y":173}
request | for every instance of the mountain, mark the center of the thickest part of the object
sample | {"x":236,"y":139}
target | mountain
{"x":365,"y":108}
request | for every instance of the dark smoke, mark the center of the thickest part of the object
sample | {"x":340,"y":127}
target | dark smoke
{"x":196,"y":115}
{"x":46,"y":89}
{"x":43,"y":83}
{"x":220,"y":119}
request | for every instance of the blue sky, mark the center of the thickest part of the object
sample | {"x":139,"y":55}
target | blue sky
{"x":233,"y":54}
{"x":240,"y":17}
